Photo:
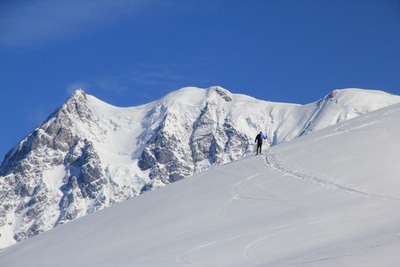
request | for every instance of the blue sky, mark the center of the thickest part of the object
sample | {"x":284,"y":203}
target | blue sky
{"x":132,"y":52}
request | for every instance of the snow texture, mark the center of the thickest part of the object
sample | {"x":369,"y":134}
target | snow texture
{"x":330,"y":198}
{"x":89,"y":155}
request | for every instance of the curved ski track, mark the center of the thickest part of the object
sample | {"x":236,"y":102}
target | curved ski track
{"x":298,"y":172}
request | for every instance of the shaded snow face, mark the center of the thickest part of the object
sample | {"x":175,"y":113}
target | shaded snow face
{"x":89,"y":155}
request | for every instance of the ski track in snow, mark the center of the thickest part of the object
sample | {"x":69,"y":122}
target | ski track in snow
{"x":277,"y":163}
{"x":186,"y":257}
{"x":308,"y":259}
{"x":235,"y":197}
{"x":342,"y":129}
{"x":248,"y":248}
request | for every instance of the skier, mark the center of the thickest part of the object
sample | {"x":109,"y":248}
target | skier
{"x":259,"y":140}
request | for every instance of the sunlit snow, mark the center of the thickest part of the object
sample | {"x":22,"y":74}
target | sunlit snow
{"x":330,"y":198}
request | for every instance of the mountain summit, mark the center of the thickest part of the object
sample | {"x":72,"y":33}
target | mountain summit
{"x":89,"y":155}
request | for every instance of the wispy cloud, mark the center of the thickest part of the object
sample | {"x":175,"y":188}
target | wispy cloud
{"x":75,"y":86}
{"x":24,"y":23}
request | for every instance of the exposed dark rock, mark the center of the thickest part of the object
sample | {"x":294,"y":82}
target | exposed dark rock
{"x":223,"y":93}
{"x":147,"y":159}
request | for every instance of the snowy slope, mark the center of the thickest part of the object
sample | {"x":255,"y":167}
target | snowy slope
{"x":89,"y":155}
{"x":330,"y":198}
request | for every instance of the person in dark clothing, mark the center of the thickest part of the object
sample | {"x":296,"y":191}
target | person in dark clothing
{"x":259,"y":140}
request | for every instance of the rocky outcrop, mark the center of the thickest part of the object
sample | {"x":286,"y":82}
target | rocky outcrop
{"x":54,"y":145}
{"x":166,"y":155}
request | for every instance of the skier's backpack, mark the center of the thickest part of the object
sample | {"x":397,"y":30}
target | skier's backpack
{"x":259,"y":138}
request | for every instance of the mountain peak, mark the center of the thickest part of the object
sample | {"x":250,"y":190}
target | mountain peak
{"x":361,"y":98}
{"x":77,"y":104}
{"x":225,"y":94}
{"x":78,"y":91}
{"x":356,"y":92}
{"x":79,"y":95}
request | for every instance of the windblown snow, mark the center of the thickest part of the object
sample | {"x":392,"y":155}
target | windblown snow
{"x":90,"y":155}
{"x":329,"y":198}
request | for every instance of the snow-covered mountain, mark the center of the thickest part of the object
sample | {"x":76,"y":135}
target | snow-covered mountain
{"x":89,"y":155}
{"x":329,"y":198}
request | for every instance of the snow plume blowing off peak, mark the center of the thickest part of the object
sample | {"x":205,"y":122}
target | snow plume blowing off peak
{"x":89,"y":154}
{"x":78,"y":92}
